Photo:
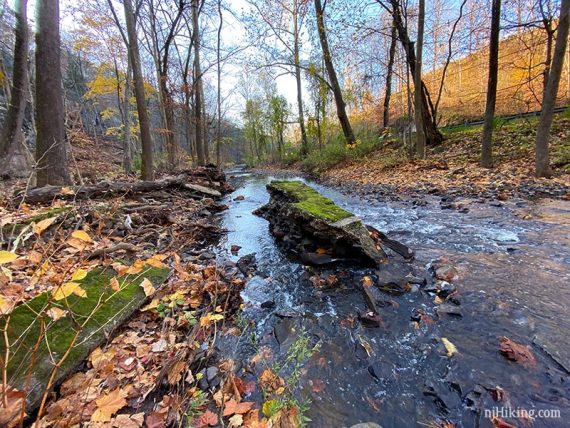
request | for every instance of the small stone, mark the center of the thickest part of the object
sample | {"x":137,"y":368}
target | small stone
{"x":370,"y":320}
{"x":235,"y":249}
{"x":366,"y":425}
{"x":446,"y":273}
{"x":444,"y":289}
{"x":270,"y":304}
{"x":239,"y":198}
{"x":449,"y":309}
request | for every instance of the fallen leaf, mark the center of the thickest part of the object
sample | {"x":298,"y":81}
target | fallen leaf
{"x":160,"y":345}
{"x":6,"y":305}
{"x":233,"y":407}
{"x":108,"y":405}
{"x":7,"y":257}
{"x":499,"y":423}
{"x":79,"y":275}
{"x":155,"y":420}
{"x":67,"y":290}
{"x":517,"y":352}
{"x":56,"y":313}
{"x":235,"y":421}
{"x":15,"y":400}
{"x":82,"y":236}
{"x":147,"y":287}
{"x":208,"y":419}
{"x":450,"y":347}
{"x":114,"y":283}
{"x":175,"y":372}
{"x":41,"y":226}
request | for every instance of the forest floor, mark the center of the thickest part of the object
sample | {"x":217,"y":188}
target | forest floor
{"x":158,"y":366}
{"x":453,"y":169}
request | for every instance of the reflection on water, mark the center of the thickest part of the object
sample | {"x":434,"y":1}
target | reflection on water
{"x":514,"y":281}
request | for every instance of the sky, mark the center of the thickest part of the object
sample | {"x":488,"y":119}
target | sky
{"x":233,"y":32}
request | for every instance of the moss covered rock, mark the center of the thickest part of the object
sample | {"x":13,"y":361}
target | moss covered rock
{"x":43,"y":330}
{"x":314,"y":228}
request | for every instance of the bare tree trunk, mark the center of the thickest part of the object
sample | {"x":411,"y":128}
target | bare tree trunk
{"x":419,"y":117}
{"x":219,"y":71}
{"x":144,"y":122}
{"x":340,"y":104}
{"x":487,"y":143}
{"x":127,"y":155}
{"x":51,"y":151}
{"x":542,"y":161}
{"x":432,"y":135}
{"x":297,"y":61}
{"x":198,"y":90}
{"x":389,"y":74}
{"x":12,"y":129}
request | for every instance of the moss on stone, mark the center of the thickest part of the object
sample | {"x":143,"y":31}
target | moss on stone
{"x":308,"y":199}
{"x":101,"y":311}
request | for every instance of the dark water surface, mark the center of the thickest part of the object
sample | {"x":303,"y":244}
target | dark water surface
{"x":514,"y":281}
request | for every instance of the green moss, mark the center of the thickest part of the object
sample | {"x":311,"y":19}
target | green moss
{"x":311,"y":201}
{"x":100,"y":311}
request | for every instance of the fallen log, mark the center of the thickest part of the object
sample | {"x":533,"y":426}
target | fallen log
{"x":112,"y":188}
{"x":307,"y":223}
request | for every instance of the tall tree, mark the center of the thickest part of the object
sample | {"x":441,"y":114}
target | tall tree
{"x":219,"y":94}
{"x":418,"y":105}
{"x":147,"y":170}
{"x":395,"y":8}
{"x":12,"y":129}
{"x":198,"y":87}
{"x":51,"y":153}
{"x":487,"y":143}
{"x":542,"y":161}
{"x":337,"y":91}
{"x":389,"y":74}
{"x":297,"y":61}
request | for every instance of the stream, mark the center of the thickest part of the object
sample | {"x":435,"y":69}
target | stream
{"x":513,"y":261}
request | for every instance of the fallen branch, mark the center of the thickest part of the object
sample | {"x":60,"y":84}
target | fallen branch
{"x":123,"y":246}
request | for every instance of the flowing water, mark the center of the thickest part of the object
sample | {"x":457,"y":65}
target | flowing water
{"x":514,"y":281}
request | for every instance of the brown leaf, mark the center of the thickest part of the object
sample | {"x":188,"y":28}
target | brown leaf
{"x":15,"y":399}
{"x":233,"y":407}
{"x":108,"y":405}
{"x":155,"y":420}
{"x":499,"y":423}
{"x":208,"y":419}
{"x":517,"y":352}
{"x":175,"y":372}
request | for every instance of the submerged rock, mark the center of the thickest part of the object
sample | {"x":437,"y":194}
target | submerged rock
{"x":299,"y":212}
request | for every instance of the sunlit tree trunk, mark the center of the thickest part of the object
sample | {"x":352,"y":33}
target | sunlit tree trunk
{"x":542,"y":166}
{"x":297,"y":63}
{"x":419,"y":117}
{"x":337,"y":91}
{"x":487,"y":144}
{"x":147,"y":172}
{"x":198,"y":90}
{"x":51,"y":151}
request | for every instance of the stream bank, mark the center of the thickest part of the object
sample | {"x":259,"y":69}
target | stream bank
{"x":512,"y":264}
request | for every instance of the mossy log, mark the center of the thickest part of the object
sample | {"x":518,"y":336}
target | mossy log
{"x":37,"y":343}
{"x":319,"y":231}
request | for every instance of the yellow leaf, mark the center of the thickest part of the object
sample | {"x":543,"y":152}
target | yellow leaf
{"x":108,"y":405}
{"x":114,"y":283}
{"x":67,"y":290}
{"x":438,"y":300}
{"x":41,"y":226}
{"x":155,"y":263}
{"x":79,"y":275}
{"x":367,"y":281}
{"x":450,"y":347}
{"x":147,"y":287}
{"x":7,"y":257}
{"x":56,"y":313}
{"x":66,"y":191}
{"x":82,"y":236}
{"x":208,"y":319}
{"x":4,"y":271}
{"x":6,"y":306}
{"x":152,"y":305}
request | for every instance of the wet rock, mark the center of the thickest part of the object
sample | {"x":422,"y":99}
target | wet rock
{"x":235,"y":249}
{"x":415,"y":279}
{"x":444,"y":289}
{"x":369,"y":299}
{"x":392,"y":288}
{"x":239,"y":198}
{"x":370,"y":319}
{"x":302,"y":213}
{"x":284,"y":331}
{"x":209,"y":378}
{"x":449,"y":309}
{"x":270,"y":304}
{"x":316,"y":259}
{"x":278,"y":233}
{"x":446,"y":273}
{"x":247,"y":264}
{"x":207,"y":255}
